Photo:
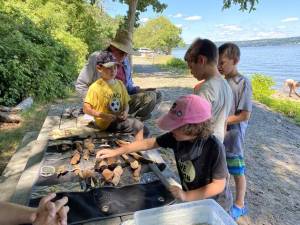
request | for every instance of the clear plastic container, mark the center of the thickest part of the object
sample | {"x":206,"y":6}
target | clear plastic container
{"x":202,"y":212}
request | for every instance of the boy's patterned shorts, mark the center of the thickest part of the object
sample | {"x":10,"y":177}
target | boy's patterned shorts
{"x":236,"y":165}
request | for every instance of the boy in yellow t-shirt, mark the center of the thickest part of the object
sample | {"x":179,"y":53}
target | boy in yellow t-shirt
{"x":107,"y":100}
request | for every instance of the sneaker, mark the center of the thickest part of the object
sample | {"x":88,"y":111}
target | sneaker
{"x":236,"y":212}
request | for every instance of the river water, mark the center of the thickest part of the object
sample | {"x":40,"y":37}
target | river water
{"x":279,"y":62}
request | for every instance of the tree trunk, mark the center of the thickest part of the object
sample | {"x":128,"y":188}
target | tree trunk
{"x":131,"y":21}
{"x":131,"y":16}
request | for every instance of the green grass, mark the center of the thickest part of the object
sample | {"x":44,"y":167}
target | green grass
{"x":262,"y":92}
{"x":168,"y":62}
{"x":287,"y":107}
{"x":33,"y":120}
{"x":10,"y":138}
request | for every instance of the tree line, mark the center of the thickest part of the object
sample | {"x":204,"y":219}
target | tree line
{"x":44,"y":43}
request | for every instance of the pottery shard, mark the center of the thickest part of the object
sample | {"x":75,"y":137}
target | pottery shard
{"x":107,"y":174}
{"x":91,"y":147}
{"x":132,"y":162}
{"x":76,"y":158}
{"x":61,"y":170}
{"x":86,"y":154}
{"x":137,"y":173}
{"x":76,"y":169}
{"x":78,"y":146}
{"x":101,"y":165}
{"x":112,"y":162}
{"x":86,"y":174}
{"x":118,"y":171}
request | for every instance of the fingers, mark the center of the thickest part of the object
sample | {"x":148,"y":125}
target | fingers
{"x":60,"y":203}
{"x":46,"y":199}
{"x":103,"y":154}
{"x":50,"y":206}
{"x":63,"y":215}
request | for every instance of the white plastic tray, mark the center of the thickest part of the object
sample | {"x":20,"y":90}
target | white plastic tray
{"x":205,"y":211}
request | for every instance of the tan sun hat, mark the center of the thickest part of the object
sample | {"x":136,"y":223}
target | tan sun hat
{"x":123,"y":41}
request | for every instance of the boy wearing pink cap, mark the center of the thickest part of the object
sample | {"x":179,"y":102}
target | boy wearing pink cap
{"x":200,"y":156}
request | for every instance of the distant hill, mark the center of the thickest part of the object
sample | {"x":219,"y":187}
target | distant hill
{"x":267,"y":42}
{"x":261,"y":42}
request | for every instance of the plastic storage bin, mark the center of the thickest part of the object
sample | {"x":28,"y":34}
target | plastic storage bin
{"x":199,"y":212}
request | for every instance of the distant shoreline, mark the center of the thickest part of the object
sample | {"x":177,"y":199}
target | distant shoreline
{"x":260,"y":42}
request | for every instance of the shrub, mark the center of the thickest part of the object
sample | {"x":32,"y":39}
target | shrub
{"x":262,"y":91}
{"x":262,"y":86}
{"x":32,"y":63}
{"x":177,"y":63}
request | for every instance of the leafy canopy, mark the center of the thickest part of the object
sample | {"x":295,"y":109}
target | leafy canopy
{"x":158,"y":34}
{"x":244,"y":4}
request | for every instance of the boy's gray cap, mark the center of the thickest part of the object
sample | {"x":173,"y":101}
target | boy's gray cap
{"x":106,"y":59}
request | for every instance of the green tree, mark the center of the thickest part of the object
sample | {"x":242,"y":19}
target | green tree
{"x":135,"y":7}
{"x":245,"y":5}
{"x":158,"y":34}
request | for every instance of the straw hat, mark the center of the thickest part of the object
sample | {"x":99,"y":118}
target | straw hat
{"x":123,"y":41}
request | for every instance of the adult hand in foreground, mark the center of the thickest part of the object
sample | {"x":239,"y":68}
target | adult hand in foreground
{"x":51,"y":213}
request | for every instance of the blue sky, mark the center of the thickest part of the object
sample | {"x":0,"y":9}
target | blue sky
{"x":206,"y":19}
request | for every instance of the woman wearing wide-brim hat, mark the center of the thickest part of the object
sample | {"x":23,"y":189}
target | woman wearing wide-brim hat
{"x":142,"y":101}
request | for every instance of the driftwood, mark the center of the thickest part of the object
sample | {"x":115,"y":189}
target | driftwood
{"x":118,"y":171}
{"x":9,"y":109}
{"x":8,"y":117}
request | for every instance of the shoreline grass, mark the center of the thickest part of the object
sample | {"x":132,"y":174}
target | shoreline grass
{"x":33,"y":120}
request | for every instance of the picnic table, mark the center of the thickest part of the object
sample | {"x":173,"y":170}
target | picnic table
{"x":29,"y":175}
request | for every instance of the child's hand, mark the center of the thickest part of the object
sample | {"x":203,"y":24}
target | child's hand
{"x":106,"y":153}
{"x":123,"y":115}
{"x":107,"y":116}
{"x":178,"y":193}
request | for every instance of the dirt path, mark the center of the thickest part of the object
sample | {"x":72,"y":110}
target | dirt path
{"x":272,"y":152}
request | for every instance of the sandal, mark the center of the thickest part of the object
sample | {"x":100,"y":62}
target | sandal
{"x":236,"y":212}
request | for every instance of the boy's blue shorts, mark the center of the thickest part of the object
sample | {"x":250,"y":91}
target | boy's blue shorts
{"x":236,"y":165}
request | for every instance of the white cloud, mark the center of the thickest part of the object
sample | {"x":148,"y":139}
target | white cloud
{"x":178,"y":15}
{"x":144,"y":20}
{"x":229,"y":27}
{"x":190,"y":18}
{"x":281,"y":27}
{"x":179,"y":25}
{"x":290,"y":19}
{"x":269,"y":34}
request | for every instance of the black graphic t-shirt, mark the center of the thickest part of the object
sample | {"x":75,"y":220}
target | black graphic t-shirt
{"x":199,"y":162}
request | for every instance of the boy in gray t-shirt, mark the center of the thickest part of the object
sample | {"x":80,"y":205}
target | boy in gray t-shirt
{"x":202,"y":60}
{"x":229,"y":55}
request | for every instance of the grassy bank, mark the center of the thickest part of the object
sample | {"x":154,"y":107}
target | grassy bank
{"x":263,"y":92}
{"x":11,"y":135}
{"x":168,"y":62}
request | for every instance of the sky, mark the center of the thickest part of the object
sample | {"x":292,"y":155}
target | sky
{"x":206,"y":19}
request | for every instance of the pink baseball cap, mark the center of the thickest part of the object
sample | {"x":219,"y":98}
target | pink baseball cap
{"x":189,"y":109}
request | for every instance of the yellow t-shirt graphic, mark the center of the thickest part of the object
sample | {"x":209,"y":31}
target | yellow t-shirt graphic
{"x":107,"y":98}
